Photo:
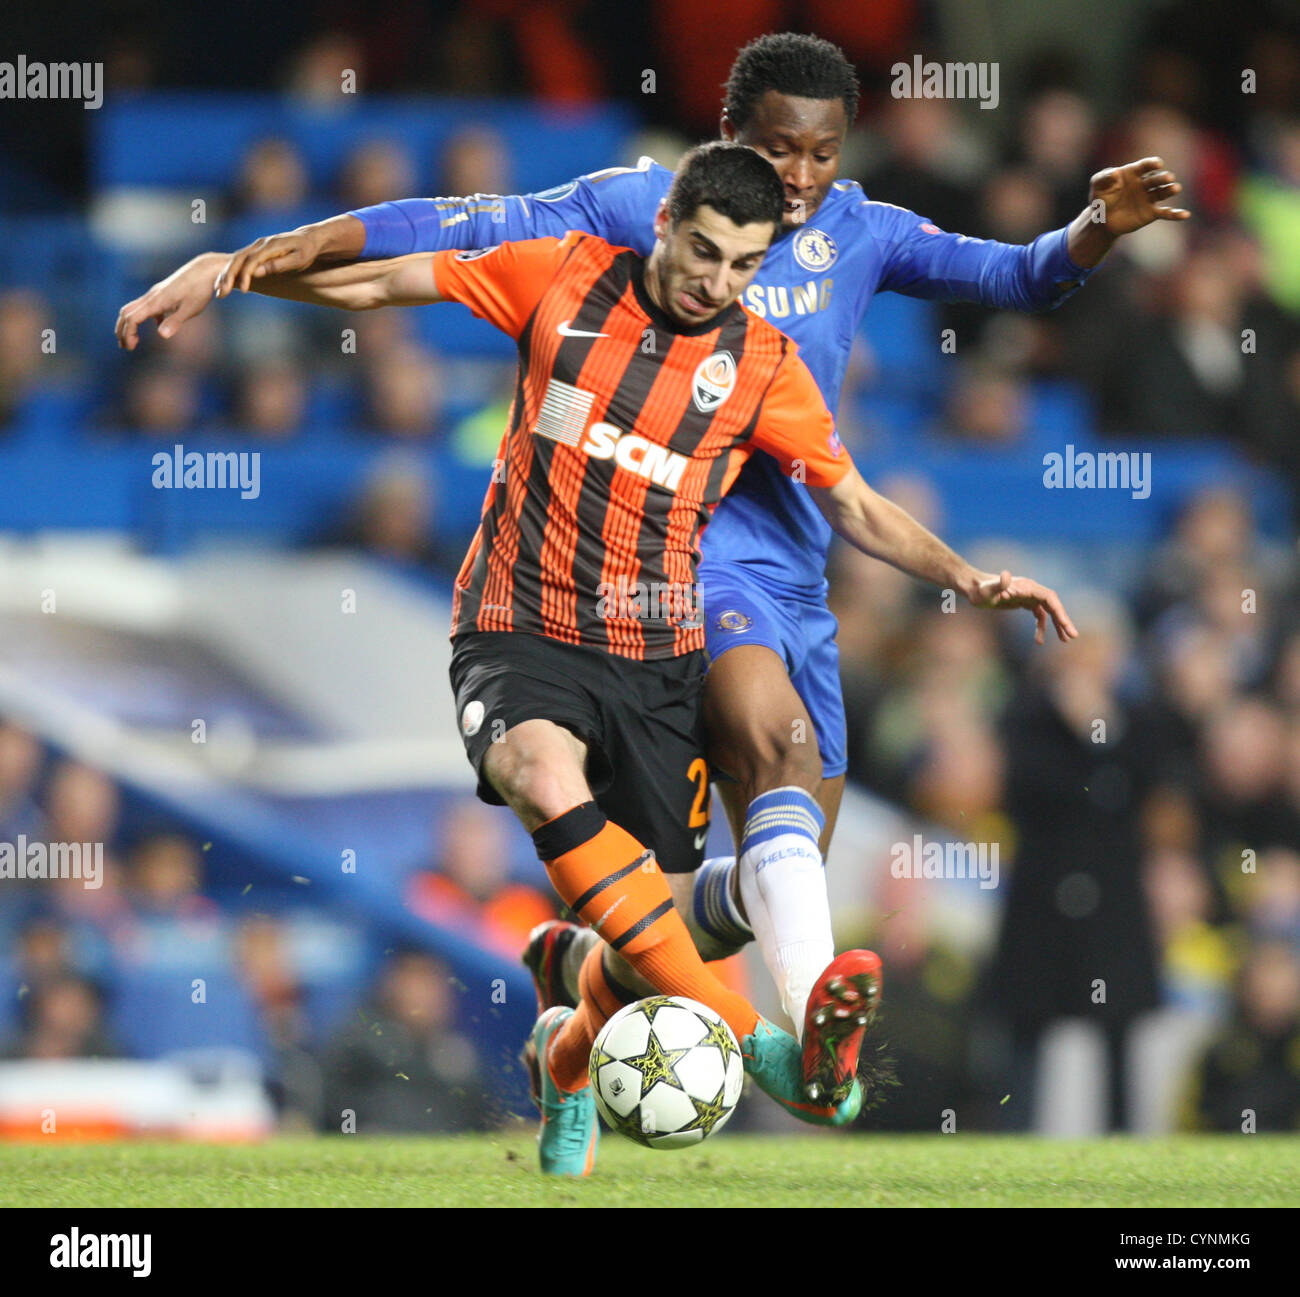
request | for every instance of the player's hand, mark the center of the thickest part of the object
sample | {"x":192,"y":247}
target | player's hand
{"x":1131,"y":195}
{"x":1007,"y":591}
{"x":171,"y":301}
{"x":272,"y":255}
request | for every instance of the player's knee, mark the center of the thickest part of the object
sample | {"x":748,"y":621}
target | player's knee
{"x":535,"y":775}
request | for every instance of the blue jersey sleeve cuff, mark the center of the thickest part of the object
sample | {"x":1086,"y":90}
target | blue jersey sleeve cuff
{"x":388,"y":231}
{"x":1057,"y":273}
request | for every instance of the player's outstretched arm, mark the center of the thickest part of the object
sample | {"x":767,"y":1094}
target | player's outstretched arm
{"x":878,"y":527}
{"x":360,"y":286}
{"x":612,"y":204}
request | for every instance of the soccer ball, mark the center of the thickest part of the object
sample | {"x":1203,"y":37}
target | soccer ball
{"x":666,"y":1072}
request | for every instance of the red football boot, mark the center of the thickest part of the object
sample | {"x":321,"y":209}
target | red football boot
{"x":841,"y":1007}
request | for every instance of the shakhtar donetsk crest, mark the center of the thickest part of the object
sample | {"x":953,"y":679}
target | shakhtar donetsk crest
{"x":714,"y":381}
{"x":815,"y":250}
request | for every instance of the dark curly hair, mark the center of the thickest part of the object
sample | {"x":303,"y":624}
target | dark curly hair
{"x":804,"y":66}
{"x":733,"y":179}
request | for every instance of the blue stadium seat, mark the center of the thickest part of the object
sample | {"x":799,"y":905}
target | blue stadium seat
{"x":197,"y":140}
{"x":154,"y":1013}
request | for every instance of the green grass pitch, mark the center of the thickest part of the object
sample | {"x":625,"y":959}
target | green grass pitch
{"x":730,"y":1171}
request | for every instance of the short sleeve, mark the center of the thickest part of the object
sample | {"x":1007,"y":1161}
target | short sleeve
{"x":796,"y":428}
{"x":501,"y":284}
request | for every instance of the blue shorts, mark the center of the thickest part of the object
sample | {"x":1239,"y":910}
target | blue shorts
{"x":740,"y":609}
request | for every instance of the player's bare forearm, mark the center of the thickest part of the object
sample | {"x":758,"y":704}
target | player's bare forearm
{"x":879,"y":528}
{"x":338,"y":239}
{"x":357,"y":286}
{"x":1089,"y":240}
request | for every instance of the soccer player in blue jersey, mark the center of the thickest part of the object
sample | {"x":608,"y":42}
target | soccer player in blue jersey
{"x":771,"y":638}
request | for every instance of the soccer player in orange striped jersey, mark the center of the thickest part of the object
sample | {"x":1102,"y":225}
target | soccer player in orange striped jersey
{"x":643,"y":386}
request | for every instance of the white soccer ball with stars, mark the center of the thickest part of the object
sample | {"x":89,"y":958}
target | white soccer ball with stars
{"x":666,"y":1072}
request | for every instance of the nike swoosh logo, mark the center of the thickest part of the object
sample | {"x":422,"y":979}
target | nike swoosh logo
{"x":701,"y":839}
{"x":608,"y":912}
{"x":566,"y":332}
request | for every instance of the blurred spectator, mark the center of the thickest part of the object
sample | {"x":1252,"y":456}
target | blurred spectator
{"x":401,"y":1066}
{"x":404,"y":393}
{"x":165,"y":874}
{"x":1273,"y":903}
{"x":924,"y":1026}
{"x":264,"y":965}
{"x":272,"y":402}
{"x":378,"y":171}
{"x":1204,"y":162}
{"x":1241,"y":760}
{"x":162,"y":400}
{"x":987,"y":407}
{"x":62,"y":1019}
{"x":1196,"y":957}
{"x":474,"y":161}
{"x":272,"y":180}
{"x":1057,"y":148}
{"x":927,"y":738}
{"x":1206,"y":362}
{"x":469,"y":889}
{"x":20,"y":763}
{"x":1215,"y":528}
{"x":1250,"y":1075}
{"x":173,"y":923}
{"x":318,"y":72}
{"x":394,"y":520}
{"x":24,"y":314}
{"x":1016,"y":205}
{"x":1076,"y":937}
{"x":1269,"y":202}
{"x":42,"y":954}
{"x":930,"y":163}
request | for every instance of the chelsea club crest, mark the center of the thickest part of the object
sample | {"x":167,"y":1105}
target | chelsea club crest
{"x":815,"y":250}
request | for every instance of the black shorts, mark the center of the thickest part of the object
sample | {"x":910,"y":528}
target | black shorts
{"x":642,"y":722}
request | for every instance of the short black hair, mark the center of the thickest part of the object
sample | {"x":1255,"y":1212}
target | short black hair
{"x":806,"y":67}
{"x":733,"y":179}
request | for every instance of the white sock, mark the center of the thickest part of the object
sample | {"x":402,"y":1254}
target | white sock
{"x":783,"y":887}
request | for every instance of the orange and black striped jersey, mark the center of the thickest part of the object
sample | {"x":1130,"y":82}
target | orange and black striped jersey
{"x":625,"y":432}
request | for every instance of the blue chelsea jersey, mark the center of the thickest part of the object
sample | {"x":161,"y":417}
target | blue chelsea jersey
{"x":815,"y":285}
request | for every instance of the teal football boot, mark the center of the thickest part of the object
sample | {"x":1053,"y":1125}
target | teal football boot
{"x":566,"y":1143}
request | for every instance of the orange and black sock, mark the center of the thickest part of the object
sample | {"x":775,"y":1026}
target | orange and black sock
{"x":611,"y":880}
{"x":601,"y":997}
